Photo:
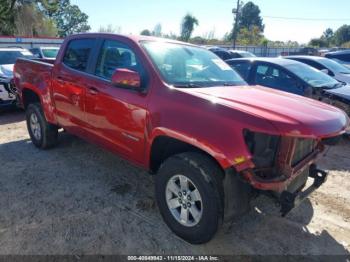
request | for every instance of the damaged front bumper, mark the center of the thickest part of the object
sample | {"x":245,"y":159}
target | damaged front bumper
{"x":285,"y":180}
{"x":289,"y":200}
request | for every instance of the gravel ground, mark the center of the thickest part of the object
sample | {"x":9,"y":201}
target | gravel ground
{"x":81,"y":199}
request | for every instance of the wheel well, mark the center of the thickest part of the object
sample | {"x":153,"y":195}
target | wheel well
{"x":164,"y":147}
{"x":29,"y":97}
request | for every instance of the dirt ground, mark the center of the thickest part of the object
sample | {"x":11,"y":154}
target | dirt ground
{"x":80,"y":199}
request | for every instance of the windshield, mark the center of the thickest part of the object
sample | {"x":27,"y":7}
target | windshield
{"x":334,"y":66}
{"x":189,"y":66}
{"x":10,"y":57}
{"x":50,"y":53}
{"x":312,"y":76}
{"x":247,"y":54}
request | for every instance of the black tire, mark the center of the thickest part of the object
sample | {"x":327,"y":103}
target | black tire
{"x":207,"y":177}
{"x":48,"y":132}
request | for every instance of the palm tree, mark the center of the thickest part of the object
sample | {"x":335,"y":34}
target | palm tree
{"x":187,"y":26}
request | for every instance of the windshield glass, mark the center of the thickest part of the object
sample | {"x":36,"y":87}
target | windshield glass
{"x":247,"y":54}
{"x":312,"y":76}
{"x":50,"y":53}
{"x":334,"y":66}
{"x":10,"y":57}
{"x":344,"y":63}
{"x":190,"y":66}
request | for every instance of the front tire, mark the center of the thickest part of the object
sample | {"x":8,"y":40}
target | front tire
{"x":42,"y":134}
{"x":189,"y":194}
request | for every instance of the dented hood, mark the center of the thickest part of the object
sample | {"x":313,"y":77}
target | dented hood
{"x":290,"y":114}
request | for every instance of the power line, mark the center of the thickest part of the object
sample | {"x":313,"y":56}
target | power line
{"x":235,"y":26}
{"x":307,"y":19}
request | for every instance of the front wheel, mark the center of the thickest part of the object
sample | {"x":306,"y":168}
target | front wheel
{"x":42,"y":134}
{"x":189,"y":194}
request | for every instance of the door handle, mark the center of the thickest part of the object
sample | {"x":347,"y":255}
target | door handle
{"x":62,"y":79}
{"x":93,"y":90}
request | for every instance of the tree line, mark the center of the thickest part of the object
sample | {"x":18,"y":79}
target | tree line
{"x":61,"y":18}
{"x":340,"y":38}
{"x":41,"y":18}
{"x":249,"y":30}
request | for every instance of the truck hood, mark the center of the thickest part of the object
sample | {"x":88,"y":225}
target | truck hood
{"x":343,"y":92}
{"x":290,"y":114}
{"x":6,"y":71}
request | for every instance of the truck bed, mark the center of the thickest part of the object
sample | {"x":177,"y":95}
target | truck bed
{"x":34,"y":75}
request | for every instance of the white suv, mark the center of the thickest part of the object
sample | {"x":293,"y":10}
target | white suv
{"x":8,"y":57}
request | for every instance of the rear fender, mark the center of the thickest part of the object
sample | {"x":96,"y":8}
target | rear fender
{"x":45,"y":101}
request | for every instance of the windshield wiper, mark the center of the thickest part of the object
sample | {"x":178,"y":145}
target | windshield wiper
{"x":337,"y":85}
{"x":188,"y":85}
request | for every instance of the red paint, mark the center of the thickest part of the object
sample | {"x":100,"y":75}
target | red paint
{"x":211,"y":119}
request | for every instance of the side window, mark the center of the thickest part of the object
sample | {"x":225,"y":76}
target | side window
{"x":219,"y":54}
{"x":78,"y":53}
{"x":345,"y":58}
{"x":274,"y":77}
{"x":235,"y":55}
{"x":262,"y":70}
{"x":114,"y":55}
{"x":313,"y":64}
{"x":226,"y":56}
{"x":35,"y":51}
{"x":243,"y":69}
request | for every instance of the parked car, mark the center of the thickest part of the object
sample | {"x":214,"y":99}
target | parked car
{"x":326,"y":65}
{"x":342,"y":57}
{"x":293,"y":77}
{"x":182,"y":113}
{"x":302,"y":51}
{"x":240,"y":53}
{"x":45,"y":52}
{"x":8,"y":57}
{"x":224,"y":54}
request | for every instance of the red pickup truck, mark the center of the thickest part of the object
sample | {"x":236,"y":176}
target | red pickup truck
{"x":180,"y":112}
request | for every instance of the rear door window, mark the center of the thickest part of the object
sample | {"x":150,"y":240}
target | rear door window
{"x":78,"y":53}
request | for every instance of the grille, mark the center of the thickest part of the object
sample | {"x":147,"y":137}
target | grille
{"x":303,"y":148}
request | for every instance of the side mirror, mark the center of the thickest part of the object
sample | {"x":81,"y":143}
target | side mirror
{"x":326,"y":71}
{"x":126,"y":78}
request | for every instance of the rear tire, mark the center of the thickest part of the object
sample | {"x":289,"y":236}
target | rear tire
{"x":204,"y":207}
{"x":42,"y":134}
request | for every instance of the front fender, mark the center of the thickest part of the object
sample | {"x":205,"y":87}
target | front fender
{"x":225,"y":159}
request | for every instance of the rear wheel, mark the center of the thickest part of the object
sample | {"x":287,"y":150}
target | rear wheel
{"x":42,"y":134}
{"x":189,"y":194}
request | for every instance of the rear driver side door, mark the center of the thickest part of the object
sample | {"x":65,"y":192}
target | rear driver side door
{"x":69,"y":85}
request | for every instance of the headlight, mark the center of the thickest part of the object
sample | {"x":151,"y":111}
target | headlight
{"x":263,"y":148}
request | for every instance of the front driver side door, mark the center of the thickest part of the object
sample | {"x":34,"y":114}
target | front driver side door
{"x":116,"y":116}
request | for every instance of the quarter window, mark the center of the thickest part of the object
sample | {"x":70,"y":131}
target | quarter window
{"x":78,"y":53}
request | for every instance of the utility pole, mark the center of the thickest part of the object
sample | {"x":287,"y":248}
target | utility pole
{"x":235,"y":12}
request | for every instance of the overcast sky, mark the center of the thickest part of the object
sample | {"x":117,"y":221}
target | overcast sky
{"x":132,"y":16}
